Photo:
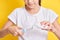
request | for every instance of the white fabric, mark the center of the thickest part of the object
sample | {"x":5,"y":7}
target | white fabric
{"x":31,"y":23}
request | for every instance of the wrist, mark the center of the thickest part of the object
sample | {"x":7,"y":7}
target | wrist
{"x":54,"y":29}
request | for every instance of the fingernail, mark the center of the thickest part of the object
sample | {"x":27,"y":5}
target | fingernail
{"x":46,"y":27}
{"x":15,"y":33}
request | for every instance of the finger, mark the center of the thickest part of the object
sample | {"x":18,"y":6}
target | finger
{"x":15,"y":34}
{"x":43,"y":22}
{"x":13,"y":31}
{"x":47,"y":28}
{"x":47,"y":24}
{"x":16,"y":31}
{"x":19,"y":32}
{"x":19,"y":28}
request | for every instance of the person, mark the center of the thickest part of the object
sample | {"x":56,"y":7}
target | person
{"x":31,"y":22}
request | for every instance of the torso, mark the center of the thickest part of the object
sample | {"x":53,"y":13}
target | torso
{"x":29,"y":22}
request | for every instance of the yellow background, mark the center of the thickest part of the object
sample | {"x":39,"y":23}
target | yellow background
{"x":6,"y":6}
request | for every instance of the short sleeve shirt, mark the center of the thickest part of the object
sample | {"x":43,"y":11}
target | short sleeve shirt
{"x":31,"y":23}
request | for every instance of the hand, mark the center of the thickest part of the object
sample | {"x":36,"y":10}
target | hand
{"x":14,"y":30}
{"x":47,"y":25}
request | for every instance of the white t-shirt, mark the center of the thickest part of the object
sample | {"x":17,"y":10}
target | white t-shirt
{"x":31,"y":23}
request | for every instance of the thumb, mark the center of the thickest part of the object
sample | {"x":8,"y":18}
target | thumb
{"x":19,"y":30}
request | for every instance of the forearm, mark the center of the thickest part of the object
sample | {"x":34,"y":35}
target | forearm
{"x":3,"y":33}
{"x":56,"y":31}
